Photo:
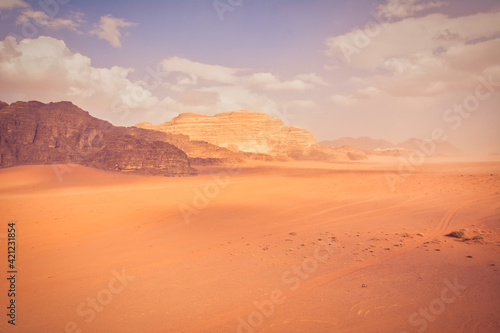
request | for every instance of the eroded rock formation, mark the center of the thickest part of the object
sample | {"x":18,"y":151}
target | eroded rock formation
{"x":54,"y":133}
{"x":245,"y":131}
{"x":253,"y":132}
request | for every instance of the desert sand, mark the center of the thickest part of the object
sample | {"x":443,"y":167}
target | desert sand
{"x":259,"y":247}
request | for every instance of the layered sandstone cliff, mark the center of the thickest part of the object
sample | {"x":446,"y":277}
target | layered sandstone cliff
{"x":245,"y":131}
{"x":54,"y":133}
{"x":257,"y":134}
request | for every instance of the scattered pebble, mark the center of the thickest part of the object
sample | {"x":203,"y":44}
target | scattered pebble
{"x":469,"y":256}
{"x":364,"y":285}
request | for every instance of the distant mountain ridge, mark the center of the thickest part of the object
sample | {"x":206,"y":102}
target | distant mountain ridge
{"x":442,"y":148}
{"x":380,"y":147}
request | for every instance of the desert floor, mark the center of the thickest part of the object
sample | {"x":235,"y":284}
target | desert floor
{"x":263,"y":247}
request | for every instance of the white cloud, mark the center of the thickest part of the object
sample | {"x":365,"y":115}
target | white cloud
{"x":240,"y":98}
{"x":211,"y":89}
{"x":270,"y":82}
{"x":312,"y":78}
{"x":432,"y":34}
{"x":369,"y":91}
{"x":426,"y":56}
{"x":195,"y":70}
{"x":394,"y":9}
{"x":185,"y":73}
{"x":41,"y":19}
{"x":361,"y":94}
{"x":31,"y":19}
{"x":10,"y":4}
{"x":343,"y":100}
{"x":406,"y":75}
{"x":45,"y":69}
{"x":302,"y":103}
{"x":212,"y":100}
{"x":109,"y":29}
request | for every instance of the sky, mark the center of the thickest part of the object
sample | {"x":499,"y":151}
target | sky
{"x":388,"y":69}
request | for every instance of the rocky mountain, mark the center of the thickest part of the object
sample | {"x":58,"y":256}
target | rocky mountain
{"x":364,"y":143}
{"x":442,"y":148}
{"x":57,"y":133}
{"x":38,"y":133}
{"x":255,"y":133}
{"x":245,"y":131}
{"x":386,"y":148}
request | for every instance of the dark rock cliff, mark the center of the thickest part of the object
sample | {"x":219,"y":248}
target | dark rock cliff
{"x":38,"y":133}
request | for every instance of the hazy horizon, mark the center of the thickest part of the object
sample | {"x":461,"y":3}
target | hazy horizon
{"x":383,"y":69}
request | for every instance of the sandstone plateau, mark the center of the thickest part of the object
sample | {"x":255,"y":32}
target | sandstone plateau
{"x":246,"y":131}
{"x":253,"y":132}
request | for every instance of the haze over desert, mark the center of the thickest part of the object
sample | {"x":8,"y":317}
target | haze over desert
{"x":244,"y":166}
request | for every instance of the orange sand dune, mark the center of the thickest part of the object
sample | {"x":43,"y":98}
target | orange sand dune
{"x":261,"y":247}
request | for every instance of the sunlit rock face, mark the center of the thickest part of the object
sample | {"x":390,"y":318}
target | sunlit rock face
{"x":246,"y":131}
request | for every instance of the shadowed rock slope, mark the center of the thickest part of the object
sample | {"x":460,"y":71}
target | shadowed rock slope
{"x":54,"y":133}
